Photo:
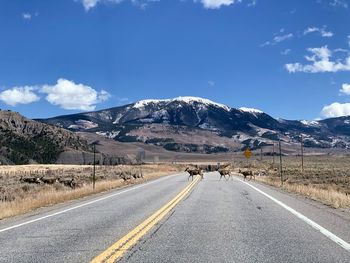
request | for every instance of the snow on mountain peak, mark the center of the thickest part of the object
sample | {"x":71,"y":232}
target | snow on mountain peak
{"x":250,"y":110}
{"x":186,"y":99}
{"x":310,"y":123}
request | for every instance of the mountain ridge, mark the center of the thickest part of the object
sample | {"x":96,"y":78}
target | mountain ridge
{"x":178,"y":123}
{"x":25,"y":141}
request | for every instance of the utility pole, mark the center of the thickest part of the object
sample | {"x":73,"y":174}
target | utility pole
{"x":302,"y":153}
{"x":94,"y":164}
{"x":281,"y":173}
{"x":94,"y":170}
{"x":273,"y":154}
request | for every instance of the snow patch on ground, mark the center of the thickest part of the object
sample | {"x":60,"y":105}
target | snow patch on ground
{"x":207,"y":126}
{"x":83,"y":124}
{"x":310,"y":123}
{"x":110,"y":135}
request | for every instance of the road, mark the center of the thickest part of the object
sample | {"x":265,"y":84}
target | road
{"x":214,"y":221}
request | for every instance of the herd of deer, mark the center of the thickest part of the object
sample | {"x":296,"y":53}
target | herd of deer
{"x":70,"y":182}
{"x":224,"y":171}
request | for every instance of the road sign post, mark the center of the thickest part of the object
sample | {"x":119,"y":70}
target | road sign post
{"x":248,"y":153}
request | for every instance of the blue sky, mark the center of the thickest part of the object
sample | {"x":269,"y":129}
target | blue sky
{"x":288,"y":58}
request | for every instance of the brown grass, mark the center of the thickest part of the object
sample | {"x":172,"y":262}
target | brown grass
{"x":324,"y":178}
{"x":36,"y":196}
{"x":329,"y":197}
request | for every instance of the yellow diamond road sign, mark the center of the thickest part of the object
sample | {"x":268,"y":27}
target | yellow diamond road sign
{"x":248,"y":153}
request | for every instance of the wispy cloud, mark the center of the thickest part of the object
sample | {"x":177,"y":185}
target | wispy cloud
{"x":320,"y":61}
{"x":322,"y":31}
{"x":27,"y":16}
{"x":211,"y":83}
{"x":278,"y":38}
{"x":207,"y":4}
{"x":339,"y":3}
{"x":286,"y":51}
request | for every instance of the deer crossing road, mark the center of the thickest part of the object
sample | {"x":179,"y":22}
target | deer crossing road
{"x":173,"y":220}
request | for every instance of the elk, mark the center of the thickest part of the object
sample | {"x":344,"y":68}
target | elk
{"x":194,"y":171}
{"x":246,"y":174}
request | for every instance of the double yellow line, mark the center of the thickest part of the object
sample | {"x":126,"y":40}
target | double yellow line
{"x":116,"y":251}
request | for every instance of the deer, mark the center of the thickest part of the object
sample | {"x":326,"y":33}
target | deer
{"x":194,"y":171}
{"x":67,"y":182}
{"x":246,"y":174}
{"x":223,"y":172}
{"x":125,"y":176}
{"x":30,"y":180}
{"x":48,"y":180}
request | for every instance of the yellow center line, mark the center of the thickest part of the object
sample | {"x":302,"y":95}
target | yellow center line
{"x":116,"y":251}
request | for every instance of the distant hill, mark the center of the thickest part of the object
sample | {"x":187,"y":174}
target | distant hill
{"x":25,"y":141}
{"x":191,"y":124}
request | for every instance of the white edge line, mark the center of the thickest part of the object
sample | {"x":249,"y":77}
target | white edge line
{"x":85,"y":204}
{"x":316,"y":226}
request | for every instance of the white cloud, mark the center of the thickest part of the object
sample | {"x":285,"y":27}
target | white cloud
{"x":339,"y":3}
{"x":336,"y":109}
{"x":320,"y":62}
{"x":286,"y":51}
{"x":322,"y":31}
{"x":71,"y":96}
{"x":211,"y":83}
{"x":278,"y":38}
{"x":345,"y":89}
{"x":208,"y":4}
{"x":27,"y":16}
{"x":216,"y":4}
{"x":88,"y":4}
{"x":19,"y":95}
{"x":253,"y":3}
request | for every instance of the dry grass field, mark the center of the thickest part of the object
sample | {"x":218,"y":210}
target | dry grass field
{"x":324,"y":178}
{"x":27,"y":187}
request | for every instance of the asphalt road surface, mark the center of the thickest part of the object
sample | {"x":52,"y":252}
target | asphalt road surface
{"x":217,"y":221}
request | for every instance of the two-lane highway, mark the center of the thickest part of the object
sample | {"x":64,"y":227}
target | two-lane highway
{"x":78,"y":232}
{"x":213,"y":221}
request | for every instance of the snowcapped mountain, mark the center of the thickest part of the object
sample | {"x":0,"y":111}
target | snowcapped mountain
{"x":193,"y":124}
